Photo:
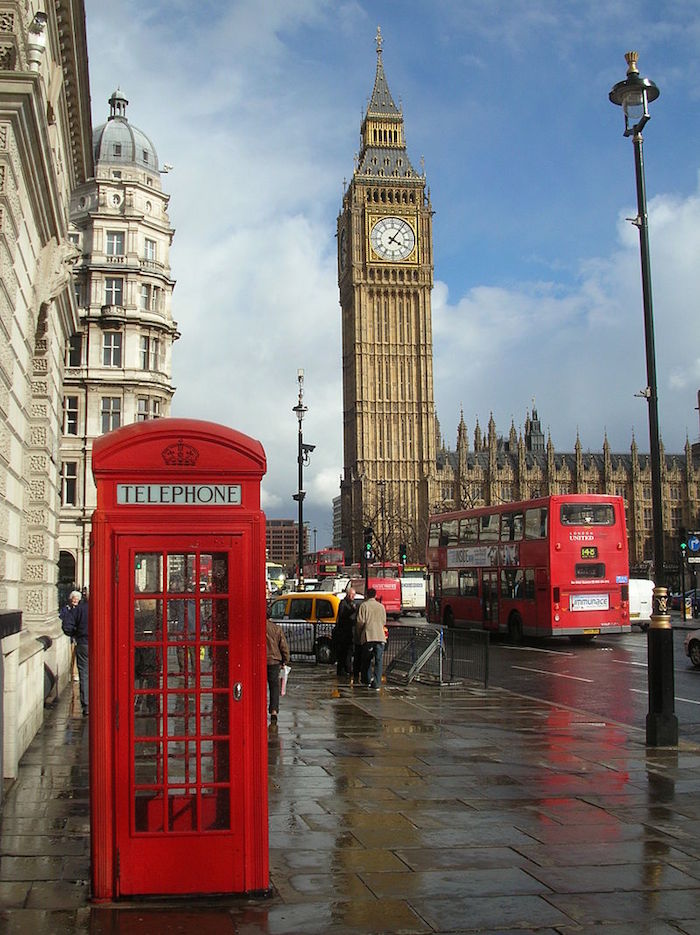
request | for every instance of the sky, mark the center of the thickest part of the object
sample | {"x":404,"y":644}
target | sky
{"x":257,"y":104}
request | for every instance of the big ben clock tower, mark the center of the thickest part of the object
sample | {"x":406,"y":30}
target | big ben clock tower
{"x":385,"y":275}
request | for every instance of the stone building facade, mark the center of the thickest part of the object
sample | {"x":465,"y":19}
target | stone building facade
{"x":45,"y":154}
{"x":119,"y":361}
{"x":497,"y":469}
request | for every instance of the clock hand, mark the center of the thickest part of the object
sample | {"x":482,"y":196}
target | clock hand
{"x":393,"y":240}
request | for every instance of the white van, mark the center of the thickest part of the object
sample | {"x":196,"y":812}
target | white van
{"x":641,"y":592}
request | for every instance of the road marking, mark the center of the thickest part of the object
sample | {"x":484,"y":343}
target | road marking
{"x":534,"y":649}
{"x":621,"y":662}
{"x":557,"y":674}
{"x":640,"y":691}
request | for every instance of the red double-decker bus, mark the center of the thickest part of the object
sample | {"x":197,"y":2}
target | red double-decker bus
{"x":324,"y":563}
{"x":555,"y":566}
{"x":384,"y":577}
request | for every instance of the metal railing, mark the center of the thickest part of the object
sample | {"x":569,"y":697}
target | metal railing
{"x":312,"y":639}
{"x":424,"y":652}
{"x":434,"y":654}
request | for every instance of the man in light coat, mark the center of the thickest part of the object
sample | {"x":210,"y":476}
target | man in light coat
{"x":371,"y":620}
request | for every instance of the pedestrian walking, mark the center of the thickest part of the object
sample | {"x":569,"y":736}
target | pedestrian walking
{"x":343,"y":633}
{"x":74,"y":621}
{"x":371,"y":620}
{"x":277,"y":656}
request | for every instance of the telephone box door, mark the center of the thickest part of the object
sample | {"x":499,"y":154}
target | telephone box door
{"x":184,"y":659}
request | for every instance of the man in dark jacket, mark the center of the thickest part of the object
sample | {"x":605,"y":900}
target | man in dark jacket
{"x":74,"y":620}
{"x":343,"y":632}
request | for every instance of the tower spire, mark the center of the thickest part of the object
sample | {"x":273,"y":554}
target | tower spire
{"x":383,"y":147}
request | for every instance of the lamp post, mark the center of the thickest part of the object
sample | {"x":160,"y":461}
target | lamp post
{"x":382,"y":524}
{"x":303,"y":453}
{"x":634,"y":94}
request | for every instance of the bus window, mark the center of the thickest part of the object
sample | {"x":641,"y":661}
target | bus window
{"x":536,"y":523}
{"x":468,"y":529}
{"x":518,"y":583}
{"x":450,"y":583}
{"x":434,"y":536}
{"x":511,"y":582}
{"x":512,"y":527}
{"x":449,"y":532}
{"x":529,"y":588}
{"x":469,"y":583}
{"x":587,"y":514}
{"x":488,"y":527}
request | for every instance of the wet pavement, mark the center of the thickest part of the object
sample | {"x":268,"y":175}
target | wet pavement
{"x":416,"y":809}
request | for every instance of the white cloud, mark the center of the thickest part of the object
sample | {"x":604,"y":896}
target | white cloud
{"x":579,"y":350}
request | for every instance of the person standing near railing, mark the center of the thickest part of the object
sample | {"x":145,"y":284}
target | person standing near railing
{"x":371,"y":624}
{"x":343,"y":633}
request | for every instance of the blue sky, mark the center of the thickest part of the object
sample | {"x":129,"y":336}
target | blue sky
{"x":258,"y":105}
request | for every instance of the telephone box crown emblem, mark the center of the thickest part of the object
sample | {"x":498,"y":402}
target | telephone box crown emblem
{"x":180,"y":454}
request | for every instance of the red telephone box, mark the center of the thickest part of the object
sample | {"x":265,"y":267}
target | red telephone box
{"x":178,"y":729}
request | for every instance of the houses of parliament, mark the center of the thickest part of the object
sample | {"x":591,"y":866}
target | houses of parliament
{"x":397,"y":468}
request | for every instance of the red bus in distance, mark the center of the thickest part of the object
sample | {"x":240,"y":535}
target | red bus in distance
{"x":384,"y":577}
{"x":554,"y":566}
{"x":325,"y":563}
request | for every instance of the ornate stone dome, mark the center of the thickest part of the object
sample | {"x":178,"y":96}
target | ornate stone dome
{"x":120,"y":143}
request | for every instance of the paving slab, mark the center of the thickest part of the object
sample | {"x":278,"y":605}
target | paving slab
{"x":417,"y":809}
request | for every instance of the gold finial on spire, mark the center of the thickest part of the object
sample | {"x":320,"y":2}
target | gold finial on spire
{"x":379,"y":39}
{"x":632,"y":58}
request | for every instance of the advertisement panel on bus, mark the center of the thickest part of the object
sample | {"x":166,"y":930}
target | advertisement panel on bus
{"x":553,"y":566}
{"x":388,"y":591}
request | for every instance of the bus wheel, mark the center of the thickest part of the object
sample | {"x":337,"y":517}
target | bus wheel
{"x":515,"y":628}
{"x":448,"y":619}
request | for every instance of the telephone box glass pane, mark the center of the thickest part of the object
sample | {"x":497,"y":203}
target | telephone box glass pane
{"x":216,"y":809}
{"x":182,"y":622}
{"x":214,"y":760}
{"x":148,"y":620}
{"x":147,"y":763}
{"x":148,"y":671}
{"x":214,"y":667}
{"x":148,"y":572}
{"x":182,"y":810}
{"x":148,"y":809}
{"x":181,"y":573}
{"x":217,"y":580}
{"x":182,"y":761}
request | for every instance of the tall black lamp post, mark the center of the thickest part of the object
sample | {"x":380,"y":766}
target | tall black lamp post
{"x":634,"y":94}
{"x":303,"y":454}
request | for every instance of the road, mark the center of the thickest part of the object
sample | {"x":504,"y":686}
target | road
{"x":606,"y":678}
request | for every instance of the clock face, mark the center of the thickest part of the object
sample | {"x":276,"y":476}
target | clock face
{"x":392,"y":239}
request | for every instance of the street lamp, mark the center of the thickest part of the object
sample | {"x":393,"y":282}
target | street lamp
{"x":634,"y":95}
{"x":303,"y":457}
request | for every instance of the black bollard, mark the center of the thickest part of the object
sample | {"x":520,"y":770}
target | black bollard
{"x":662,"y":723}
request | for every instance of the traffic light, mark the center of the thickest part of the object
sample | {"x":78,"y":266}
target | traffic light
{"x":368,"y":533}
{"x":403,"y":553}
{"x":684,"y":541}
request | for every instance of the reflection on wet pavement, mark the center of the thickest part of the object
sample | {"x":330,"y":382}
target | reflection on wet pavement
{"x":414,"y":810}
